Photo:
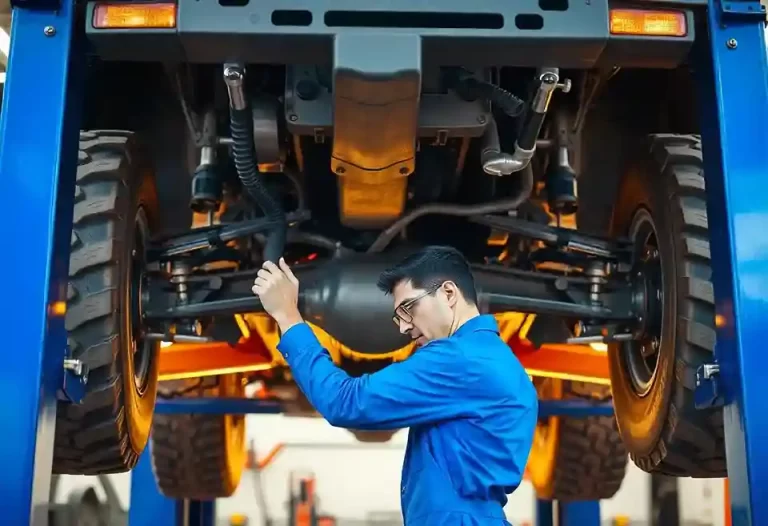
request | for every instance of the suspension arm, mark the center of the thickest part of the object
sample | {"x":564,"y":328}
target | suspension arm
{"x":330,"y":289}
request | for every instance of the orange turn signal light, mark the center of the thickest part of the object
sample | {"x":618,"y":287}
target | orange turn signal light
{"x":648,"y":23}
{"x":136,"y":15}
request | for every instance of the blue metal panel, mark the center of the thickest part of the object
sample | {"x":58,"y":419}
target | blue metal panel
{"x":201,"y":513}
{"x":148,"y":506}
{"x":234,"y":406}
{"x":574,"y":408}
{"x":38,"y":157}
{"x":216,"y":406}
{"x":578,"y":513}
{"x":545,"y":513}
{"x":732,"y":85}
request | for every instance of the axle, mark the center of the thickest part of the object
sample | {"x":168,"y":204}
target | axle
{"x":339,"y":295}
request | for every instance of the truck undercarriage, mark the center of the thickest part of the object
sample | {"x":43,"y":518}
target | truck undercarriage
{"x":344,"y":144}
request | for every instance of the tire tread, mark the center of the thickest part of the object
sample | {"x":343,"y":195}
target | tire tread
{"x":591,"y":459}
{"x":692,"y":441}
{"x":91,"y":437}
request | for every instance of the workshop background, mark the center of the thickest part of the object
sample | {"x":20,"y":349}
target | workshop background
{"x":359,"y":483}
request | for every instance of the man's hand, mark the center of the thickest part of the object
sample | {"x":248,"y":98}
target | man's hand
{"x":278,"y":290}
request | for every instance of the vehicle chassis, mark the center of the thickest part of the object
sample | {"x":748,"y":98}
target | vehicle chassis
{"x":45,"y":38}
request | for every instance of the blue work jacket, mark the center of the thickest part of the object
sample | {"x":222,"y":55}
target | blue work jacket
{"x":470,"y":406}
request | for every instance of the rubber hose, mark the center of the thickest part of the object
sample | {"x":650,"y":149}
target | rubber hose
{"x":244,"y":157}
{"x":501,"y":98}
{"x":503,"y":205}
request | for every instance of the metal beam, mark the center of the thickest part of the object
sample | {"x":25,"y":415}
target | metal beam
{"x":148,"y":506}
{"x":216,"y":406}
{"x":732,"y":80}
{"x":38,"y":159}
{"x":578,"y":513}
{"x":243,"y":406}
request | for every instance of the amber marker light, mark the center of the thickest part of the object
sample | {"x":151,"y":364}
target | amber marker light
{"x":648,"y":23}
{"x":134,"y":16}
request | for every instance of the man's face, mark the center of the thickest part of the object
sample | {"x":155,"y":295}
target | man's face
{"x":424,"y":314}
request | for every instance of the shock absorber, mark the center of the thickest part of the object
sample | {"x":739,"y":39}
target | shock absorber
{"x":206,"y":183}
{"x":244,"y":157}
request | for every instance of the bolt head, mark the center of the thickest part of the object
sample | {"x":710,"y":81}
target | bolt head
{"x":49,"y":31}
{"x":732,"y":43}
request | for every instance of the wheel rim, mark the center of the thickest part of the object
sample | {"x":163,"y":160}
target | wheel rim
{"x":142,"y":350}
{"x":640,"y":357}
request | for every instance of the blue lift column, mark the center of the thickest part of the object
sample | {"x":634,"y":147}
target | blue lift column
{"x":733,"y":94}
{"x":38,"y":158}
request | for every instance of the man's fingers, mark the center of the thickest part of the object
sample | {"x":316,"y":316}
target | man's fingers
{"x":260,"y":282}
{"x":263,"y":273}
{"x":271,"y":267}
{"x":288,"y":272}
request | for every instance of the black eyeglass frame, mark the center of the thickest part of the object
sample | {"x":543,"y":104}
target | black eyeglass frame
{"x":402,"y":312}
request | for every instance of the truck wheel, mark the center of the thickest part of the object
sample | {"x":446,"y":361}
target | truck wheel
{"x":575,"y":458}
{"x":114,"y":213}
{"x":198,"y":456}
{"x":661,"y":208}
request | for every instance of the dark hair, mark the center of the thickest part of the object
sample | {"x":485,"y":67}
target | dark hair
{"x":429,"y":267}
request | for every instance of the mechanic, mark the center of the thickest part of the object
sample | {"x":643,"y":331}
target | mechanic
{"x":470,"y":406}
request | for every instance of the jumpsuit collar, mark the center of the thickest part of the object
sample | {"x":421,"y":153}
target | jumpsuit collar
{"x":483,"y":322}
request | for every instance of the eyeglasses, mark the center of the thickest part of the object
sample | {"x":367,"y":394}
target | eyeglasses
{"x":403,"y":311}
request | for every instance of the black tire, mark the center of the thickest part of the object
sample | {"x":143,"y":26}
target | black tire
{"x":198,"y":456}
{"x":114,"y":213}
{"x":662,"y":206}
{"x":576,"y":458}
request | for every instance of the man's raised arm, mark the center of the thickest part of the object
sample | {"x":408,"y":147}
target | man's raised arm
{"x":430,"y":386}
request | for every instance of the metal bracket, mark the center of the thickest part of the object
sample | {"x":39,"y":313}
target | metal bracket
{"x":742,"y":8}
{"x":708,"y":393}
{"x":75,"y":380}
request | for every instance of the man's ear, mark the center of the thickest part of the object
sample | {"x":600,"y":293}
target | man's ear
{"x":451,"y":292}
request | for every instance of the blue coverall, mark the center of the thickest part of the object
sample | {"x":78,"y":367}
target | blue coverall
{"x":468,"y":402}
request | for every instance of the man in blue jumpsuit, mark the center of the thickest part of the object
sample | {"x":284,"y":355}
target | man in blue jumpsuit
{"x":467,"y":400}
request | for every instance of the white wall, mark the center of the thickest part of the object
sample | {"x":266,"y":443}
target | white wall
{"x":359,"y":479}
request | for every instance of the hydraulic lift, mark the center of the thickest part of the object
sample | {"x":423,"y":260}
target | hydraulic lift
{"x":38,"y":134}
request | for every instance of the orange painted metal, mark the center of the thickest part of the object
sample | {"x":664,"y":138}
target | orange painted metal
{"x":568,"y":362}
{"x":251,"y":354}
{"x":571,"y":362}
{"x":190,"y":360}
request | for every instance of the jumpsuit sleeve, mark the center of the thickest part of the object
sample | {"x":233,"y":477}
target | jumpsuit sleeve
{"x":427,"y":387}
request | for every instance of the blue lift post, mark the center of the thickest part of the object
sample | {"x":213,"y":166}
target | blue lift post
{"x":38,"y":158}
{"x":38,"y":134}
{"x":732,"y":90}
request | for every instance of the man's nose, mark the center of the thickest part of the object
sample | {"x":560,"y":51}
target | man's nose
{"x":405,"y":327}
